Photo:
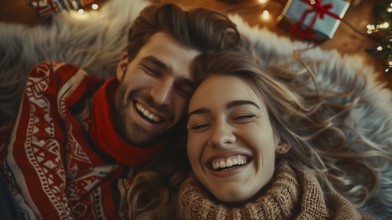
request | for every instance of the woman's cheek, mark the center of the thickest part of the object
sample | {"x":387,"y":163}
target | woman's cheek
{"x":191,"y":145}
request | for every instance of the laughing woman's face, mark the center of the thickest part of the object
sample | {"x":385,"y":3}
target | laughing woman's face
{"x":231,"y":143}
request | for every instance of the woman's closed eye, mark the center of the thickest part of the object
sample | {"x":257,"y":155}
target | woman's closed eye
{"x":201,"y":126}
{"x":244,"y":118}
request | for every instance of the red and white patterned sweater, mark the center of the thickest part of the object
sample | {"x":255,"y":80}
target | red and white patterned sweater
{"x":64,"y":159}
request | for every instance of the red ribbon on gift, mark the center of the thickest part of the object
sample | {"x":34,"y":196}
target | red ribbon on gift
{"x":320,"y":11}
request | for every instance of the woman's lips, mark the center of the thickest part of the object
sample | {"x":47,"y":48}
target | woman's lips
{"x":228,"y":162}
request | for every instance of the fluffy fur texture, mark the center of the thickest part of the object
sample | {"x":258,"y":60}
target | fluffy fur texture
{"x":95,"y":41}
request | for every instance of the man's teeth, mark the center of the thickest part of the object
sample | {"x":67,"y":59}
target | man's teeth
{"x":147,"y":113}
{"x":222,"y":163}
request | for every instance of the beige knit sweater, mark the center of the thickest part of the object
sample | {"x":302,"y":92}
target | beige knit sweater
{"x":292,"y":195}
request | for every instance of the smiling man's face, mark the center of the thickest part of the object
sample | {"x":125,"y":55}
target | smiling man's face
{"x":154,"y":89}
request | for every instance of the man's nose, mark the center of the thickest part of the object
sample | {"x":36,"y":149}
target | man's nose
{"x":162,"y":91}
{"x":222,"y":135}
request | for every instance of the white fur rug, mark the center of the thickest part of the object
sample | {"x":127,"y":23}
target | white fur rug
{"x":94,"y":41}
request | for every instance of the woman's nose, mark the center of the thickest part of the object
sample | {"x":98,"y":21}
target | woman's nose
{"x":222,"y":135}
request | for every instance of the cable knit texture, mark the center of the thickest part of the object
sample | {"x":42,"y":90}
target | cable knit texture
{"x":293,"y":195}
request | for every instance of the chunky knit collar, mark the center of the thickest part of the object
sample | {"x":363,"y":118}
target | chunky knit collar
{"x":104,"y":134}
{"x":292,"y":195}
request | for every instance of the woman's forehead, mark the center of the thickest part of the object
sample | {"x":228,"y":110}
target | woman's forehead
{"x":221,"y":89}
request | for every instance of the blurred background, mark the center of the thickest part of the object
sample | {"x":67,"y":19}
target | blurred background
{"x":364,"y":28}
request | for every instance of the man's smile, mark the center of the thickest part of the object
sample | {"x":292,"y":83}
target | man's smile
{"x":146,"y":114}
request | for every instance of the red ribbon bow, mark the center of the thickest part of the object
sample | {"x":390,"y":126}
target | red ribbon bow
{"x":320,"y":11}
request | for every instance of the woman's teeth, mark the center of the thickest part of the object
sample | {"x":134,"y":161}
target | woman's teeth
{"x":222,"y":163}
{"x":147,"y":113}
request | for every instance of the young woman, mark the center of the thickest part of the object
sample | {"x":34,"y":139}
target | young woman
{"x":249,"y":145}
{"x":259,"y":145}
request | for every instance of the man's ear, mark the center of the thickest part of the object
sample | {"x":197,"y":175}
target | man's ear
{"x":122,"y":67}
{"x":282,"y":147}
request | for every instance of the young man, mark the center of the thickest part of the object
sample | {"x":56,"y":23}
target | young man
{"x":77,"y":140}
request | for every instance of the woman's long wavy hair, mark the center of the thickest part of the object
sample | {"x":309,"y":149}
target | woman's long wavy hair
{"x":309,"y":118}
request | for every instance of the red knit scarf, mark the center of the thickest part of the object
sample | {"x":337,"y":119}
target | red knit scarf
{"x":104,"y":134}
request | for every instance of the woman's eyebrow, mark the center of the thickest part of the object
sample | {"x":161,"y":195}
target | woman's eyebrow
{"x":198,"y":111}
{"x":236,"y":103}
{"x":229,"y":105}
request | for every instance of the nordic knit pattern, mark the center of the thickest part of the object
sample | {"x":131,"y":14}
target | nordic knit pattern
{"x":293,"y":195}
{"x":54,"y":168}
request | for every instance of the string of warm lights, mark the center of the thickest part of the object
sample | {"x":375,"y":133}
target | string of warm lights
{"x":48,"y":8}
{"x":94,"y":6}
{"x":265,"y":15}
{"x":380,"y":31}
{"x":383,"y":49}
{"x":383,"y":33}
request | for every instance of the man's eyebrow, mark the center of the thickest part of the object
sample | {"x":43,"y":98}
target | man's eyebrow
{"x":156,"y":62}
{"x":164,"y":68}
{"x":229,"y":105}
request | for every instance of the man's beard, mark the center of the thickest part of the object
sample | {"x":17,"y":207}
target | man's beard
{"x":125,"y":125}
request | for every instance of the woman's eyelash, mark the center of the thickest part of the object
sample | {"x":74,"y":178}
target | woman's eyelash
{"x":198,"y":126}
{"x":246,"y":116}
